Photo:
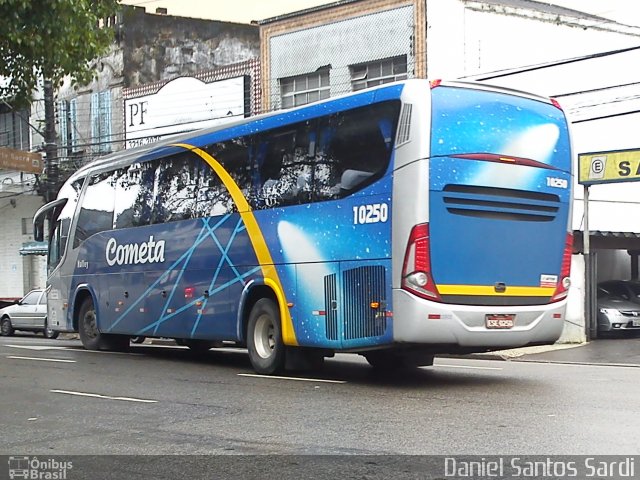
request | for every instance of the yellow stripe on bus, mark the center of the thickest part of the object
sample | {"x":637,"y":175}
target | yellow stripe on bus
{"x":489,"y":290}
{"x":258,"y":242}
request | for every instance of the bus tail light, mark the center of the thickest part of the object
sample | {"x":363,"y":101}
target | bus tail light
{"x":556,"y":104}
{"x":565,"y":270}
{"x":416,"y":271}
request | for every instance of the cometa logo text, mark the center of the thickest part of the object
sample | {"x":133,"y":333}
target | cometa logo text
{"x":135,"y":253}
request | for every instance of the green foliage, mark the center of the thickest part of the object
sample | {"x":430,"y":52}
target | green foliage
{"x":49,"y":39}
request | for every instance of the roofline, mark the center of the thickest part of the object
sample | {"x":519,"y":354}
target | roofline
{"x":317,"y":8}
{"x":544,"y":7}
{"x":538,"y":6}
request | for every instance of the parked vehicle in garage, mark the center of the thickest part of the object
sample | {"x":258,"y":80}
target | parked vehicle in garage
{"x":616,"y":314}
{"x":29,"y":313}
{"x":625,"y":289}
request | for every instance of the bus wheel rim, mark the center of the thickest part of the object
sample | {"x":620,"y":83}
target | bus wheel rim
{"x":264,"y":336}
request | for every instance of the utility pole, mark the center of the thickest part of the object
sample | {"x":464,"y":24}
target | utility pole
{"x":51,"y":149}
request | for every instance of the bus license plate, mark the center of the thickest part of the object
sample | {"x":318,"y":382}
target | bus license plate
{"x":500,"y":321}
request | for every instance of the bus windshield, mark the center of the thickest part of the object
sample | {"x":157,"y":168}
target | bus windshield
{"x":470,"y":121}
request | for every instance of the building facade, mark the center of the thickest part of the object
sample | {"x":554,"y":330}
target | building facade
{"x":150,"y":50}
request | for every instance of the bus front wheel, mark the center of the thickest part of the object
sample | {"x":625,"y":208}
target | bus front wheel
{"x":264,"y":338}
{"x":91,"y":338}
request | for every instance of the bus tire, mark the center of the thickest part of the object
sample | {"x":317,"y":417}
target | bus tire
{"x":264,"y":338}
{"x":48,"y":332}
{"x":91,"y":338}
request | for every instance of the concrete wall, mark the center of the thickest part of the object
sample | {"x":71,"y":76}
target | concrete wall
{"x":574,"y":325}
{"x":466,"y":38}
{"x":613,"y":265}
{"x":160,"y":47}
{"x":18,"y":274}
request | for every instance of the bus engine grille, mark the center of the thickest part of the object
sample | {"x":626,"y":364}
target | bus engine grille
{"x":500,"y":203}
{"x":361,"y":287}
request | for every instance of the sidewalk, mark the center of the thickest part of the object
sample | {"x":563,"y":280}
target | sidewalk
{"x":614,"y":351}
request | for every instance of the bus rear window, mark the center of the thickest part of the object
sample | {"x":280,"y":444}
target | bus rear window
{"x":468,"y":121}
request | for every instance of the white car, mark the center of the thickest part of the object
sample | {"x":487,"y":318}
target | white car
{"x":30,"y":313}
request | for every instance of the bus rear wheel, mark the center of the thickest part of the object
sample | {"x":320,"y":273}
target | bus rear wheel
{"x":91,"y":338}
{"x":264,"y":338}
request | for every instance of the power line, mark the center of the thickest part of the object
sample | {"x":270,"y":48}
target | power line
{"x":613,"y":115}
{"x":540,"y":66}
{"x":595,"y":90}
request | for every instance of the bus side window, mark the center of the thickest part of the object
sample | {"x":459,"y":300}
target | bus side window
{"x":175,"y":188}
{"x":134,"y":195}
{"x":284,"y":161}
{"x":96,"y":210}
{"x":354,"y":149}
{"x":233,"y":155}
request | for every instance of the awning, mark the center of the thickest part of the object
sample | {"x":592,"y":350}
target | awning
{"x":34,"y":248}
{"x":606,"y":240}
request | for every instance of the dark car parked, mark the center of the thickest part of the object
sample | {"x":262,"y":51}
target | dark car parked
{"x":616,"y":313}
{"x":625,"y":289}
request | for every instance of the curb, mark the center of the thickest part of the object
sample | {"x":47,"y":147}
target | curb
{"x":518,"y":353}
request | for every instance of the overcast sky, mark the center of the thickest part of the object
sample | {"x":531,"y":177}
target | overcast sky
{"x":244,"y":11}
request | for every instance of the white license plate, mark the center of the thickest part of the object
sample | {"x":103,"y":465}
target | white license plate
{"x":635,"y":323}
{"x":500,"y":321}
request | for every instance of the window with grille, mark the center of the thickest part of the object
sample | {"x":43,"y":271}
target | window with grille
{"x":14,"y":129}
{"x":101,"y":121}
{"x":304,"y":89}
{"x":370,"y":74}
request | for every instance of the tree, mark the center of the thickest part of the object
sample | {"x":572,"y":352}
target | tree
{"x":49,"y":39}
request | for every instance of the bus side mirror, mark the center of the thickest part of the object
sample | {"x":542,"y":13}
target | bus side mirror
{"x":51,"y":210}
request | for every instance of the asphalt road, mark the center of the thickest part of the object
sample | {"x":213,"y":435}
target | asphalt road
{"x":58,"y":399}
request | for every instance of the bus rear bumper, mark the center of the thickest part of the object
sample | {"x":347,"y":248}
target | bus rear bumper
{"x":420,"y":321}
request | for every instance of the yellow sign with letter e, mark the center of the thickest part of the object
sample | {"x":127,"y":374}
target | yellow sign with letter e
{"x":609,"y":167}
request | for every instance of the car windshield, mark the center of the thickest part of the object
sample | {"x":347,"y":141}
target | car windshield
{"x":635,"y":289}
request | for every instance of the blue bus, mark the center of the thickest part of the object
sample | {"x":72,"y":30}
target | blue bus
{"x":399,"y":222}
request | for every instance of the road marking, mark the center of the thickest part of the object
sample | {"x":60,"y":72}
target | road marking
{"x":106,"y":397}
{"x":41,"y":359}
{"x":72,"y":349}
{"x":37,"y":347}
{"x":466,"y":366}
{"x":275,"y":377}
